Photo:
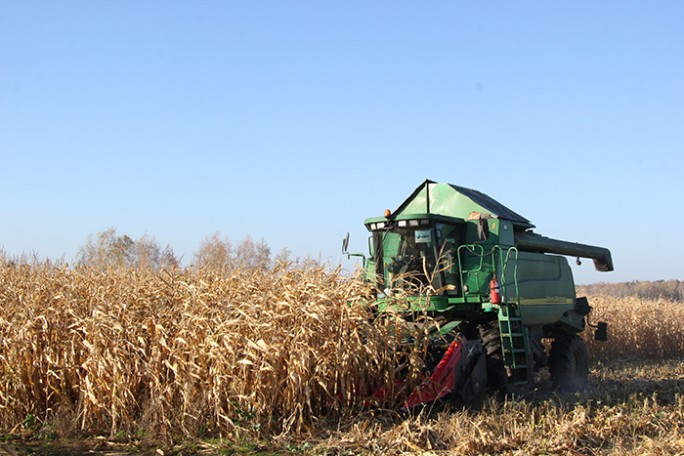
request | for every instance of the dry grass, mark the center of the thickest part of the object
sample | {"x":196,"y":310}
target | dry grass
{"x":282,"y":355}
{"x":642,"y":415}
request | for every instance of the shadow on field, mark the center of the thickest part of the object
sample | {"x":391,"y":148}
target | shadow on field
{"x":619,"y":383}
{"x":609,"y":385}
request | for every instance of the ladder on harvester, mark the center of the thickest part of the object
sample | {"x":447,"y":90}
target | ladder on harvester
{"x":515,"y":341}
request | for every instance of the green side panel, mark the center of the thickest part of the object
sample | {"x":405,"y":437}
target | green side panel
{"x":415,"y":304}
{"x":369,"y":271}
{"x":477,"y":268}
{"x":545,"y":288}
{"x":503,"y":229}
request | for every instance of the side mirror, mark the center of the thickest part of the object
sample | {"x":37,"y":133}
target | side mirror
{"x":345,"y":244}
{"x":601,"y":332}
{"x":345,"y":251}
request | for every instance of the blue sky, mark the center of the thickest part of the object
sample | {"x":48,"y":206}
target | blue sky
{"x":293,"y":121}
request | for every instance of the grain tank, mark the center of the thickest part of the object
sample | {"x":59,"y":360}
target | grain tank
{"x":501,"y":289}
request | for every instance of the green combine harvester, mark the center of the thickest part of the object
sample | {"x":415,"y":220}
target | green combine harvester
{"x":498,"y":288}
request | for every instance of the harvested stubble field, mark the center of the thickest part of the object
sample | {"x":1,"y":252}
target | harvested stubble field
{"x":281,"y":360}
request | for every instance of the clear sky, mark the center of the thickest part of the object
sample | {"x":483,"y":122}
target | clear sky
{"x":293,"y":121}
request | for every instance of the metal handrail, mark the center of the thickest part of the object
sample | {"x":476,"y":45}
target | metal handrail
{"x":498,"y":266}
{"x":504,"y":264}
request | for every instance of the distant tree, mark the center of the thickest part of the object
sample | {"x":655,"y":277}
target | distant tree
{"x":245,"y":254}
{"x":263,"y":255}
{"x":218,"y":254}
{"x":146,"y":252}
{"x":214,"y":253}
{"x":251,"y":255}
{"x":110,"y":249}
{"x":283,"y":257}
{"x":672,"y":290}
{"x":168,"y":259}
{"x":107,"y":248}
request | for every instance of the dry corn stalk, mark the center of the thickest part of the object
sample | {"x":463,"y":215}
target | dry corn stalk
{"x":186,"y":353}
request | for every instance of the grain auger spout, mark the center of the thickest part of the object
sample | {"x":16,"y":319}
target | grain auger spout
{"x":532,"y":242}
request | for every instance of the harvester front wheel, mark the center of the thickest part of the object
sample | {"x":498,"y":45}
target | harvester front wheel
{"x":569,"y":363}
{"x":491,"y":343}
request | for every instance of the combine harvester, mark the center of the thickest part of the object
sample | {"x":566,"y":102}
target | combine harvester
{"x":498,"y":289}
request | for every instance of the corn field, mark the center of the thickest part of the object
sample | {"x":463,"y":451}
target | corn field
{"x":181,"y":354}
{"x":639,"y":329}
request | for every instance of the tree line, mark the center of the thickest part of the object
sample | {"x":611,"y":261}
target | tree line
{"x":108,"y":248}
{"x":671,"y":290}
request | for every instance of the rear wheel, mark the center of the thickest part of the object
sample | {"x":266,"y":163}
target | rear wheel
{"x":569,"y":363}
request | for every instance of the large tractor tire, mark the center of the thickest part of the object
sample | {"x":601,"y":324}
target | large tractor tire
{"x":491,"y":344}
{"x":569,"y":363}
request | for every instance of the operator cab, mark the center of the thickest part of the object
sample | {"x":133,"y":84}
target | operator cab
{"x":416,"y":253}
